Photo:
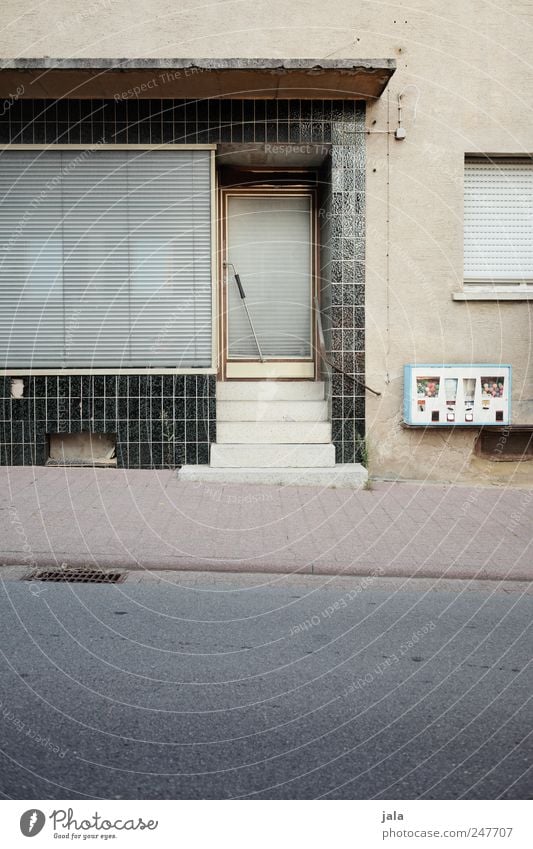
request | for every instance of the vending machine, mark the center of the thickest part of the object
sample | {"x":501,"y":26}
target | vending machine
{"x":477,"y":394}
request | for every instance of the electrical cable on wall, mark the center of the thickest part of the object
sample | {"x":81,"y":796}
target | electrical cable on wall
{"x":387,"y":241}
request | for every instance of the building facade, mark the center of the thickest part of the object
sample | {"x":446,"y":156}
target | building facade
{"x":373,"y":213}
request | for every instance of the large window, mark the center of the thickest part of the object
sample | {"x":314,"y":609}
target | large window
{"x":498,"y":223}
{"x":105,"y":259}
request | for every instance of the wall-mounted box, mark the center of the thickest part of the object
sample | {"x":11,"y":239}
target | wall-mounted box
{"x":477,"y":394}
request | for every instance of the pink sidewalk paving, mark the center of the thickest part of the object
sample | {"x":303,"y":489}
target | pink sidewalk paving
{"x":150,"y":520}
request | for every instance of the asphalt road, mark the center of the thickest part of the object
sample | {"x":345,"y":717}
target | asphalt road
{"x":224,"y":686}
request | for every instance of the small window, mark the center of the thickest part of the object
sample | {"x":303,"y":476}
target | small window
{"x":498,"y":222}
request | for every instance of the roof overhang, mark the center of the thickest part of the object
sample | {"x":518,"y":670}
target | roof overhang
{"x":336,"y":79}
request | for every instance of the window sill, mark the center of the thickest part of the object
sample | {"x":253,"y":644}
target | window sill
{"x":73,"y":372}
{"x":510,"y":294}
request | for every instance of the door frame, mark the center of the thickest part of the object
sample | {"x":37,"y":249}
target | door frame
{"x":281,"y":365}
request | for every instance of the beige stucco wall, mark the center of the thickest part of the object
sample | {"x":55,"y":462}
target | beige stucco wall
{"x":470,"y":89}
{"x":474,"y":93}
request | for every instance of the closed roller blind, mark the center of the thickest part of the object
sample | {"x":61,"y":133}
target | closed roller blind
{"x":106,"y":259}
{"x":269,"y":242}
{"x":498,"y":220}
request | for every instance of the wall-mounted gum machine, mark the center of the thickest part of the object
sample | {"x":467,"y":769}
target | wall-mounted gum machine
{"x":477,"y":394}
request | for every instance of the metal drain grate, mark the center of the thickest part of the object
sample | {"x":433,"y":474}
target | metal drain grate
{"x":77,"y":576}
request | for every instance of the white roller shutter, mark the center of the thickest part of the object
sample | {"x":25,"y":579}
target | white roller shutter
{"x":106,"y":259}
{"x":498,"y":220}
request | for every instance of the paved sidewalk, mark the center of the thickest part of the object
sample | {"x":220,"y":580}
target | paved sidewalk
{"x":150,"y":520}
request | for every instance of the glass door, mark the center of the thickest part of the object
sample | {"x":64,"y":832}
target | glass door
{"x":268,"y":279}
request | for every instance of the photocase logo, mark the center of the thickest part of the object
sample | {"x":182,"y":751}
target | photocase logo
{"x":31,"y":822}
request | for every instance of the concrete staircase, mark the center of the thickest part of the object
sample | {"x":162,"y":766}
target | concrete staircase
{"x":272,"y":424}
{"x":274,"y":432}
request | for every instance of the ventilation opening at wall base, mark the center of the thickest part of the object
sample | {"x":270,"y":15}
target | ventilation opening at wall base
{"x":505,"y":446}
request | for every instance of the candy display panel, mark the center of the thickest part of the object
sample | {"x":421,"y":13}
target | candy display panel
{"x":477,"y":394}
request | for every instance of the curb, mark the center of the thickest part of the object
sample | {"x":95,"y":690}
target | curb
{"x":177,"y":564}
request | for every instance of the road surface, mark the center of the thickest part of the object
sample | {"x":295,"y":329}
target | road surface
{"x":266,"y":686}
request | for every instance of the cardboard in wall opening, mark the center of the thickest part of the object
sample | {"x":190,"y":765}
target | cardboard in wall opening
{"x":84,"y":447}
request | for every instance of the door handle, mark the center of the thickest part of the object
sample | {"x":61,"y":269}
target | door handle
{"x":245,"y":305}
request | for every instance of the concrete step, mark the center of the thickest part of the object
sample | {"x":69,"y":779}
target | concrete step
{"x":272,"y":456}
{"x":269,"y":433}
{"x":270,"y":390}
{"x":272,"y":411}
{"x":343,"y":475}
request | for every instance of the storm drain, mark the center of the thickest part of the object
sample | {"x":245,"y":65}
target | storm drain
{"x":76,"y":576}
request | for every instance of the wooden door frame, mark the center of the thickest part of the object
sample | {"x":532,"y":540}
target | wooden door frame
{"x":224,"y":193}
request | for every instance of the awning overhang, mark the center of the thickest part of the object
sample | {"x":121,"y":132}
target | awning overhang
{"x":125,"y":79}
